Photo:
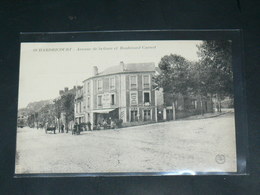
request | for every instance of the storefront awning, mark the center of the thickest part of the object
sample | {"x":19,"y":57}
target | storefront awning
{"x":103,"y":111}
{"x":79,"y":115}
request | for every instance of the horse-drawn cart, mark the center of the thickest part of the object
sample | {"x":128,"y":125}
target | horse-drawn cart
{"x":50,"y":128}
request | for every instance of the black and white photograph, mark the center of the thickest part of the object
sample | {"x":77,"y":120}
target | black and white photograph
{"x":159,"y":106}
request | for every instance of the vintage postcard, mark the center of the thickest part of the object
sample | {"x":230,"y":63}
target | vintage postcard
{"x":126,"y":107}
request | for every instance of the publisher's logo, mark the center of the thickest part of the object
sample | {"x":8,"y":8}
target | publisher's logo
{"x":220,"y":159}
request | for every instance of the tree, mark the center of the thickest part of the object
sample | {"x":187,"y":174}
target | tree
{"x":30,"y":120}
{"x":46,"y":114}
{"x":215,"y":68}
{"x":68,"y":106}
{"x":174,"y":76}
{"x":199,"y":87}
{"x":58,"y":110}
{"x":65,"y":104}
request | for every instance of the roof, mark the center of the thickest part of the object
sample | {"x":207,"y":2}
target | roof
{"x":126,"y":68}
{"x":131,"y":67}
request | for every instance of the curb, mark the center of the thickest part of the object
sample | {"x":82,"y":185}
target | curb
{"x":206,"y":117}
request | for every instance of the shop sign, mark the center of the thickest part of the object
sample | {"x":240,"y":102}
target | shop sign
{"x":106,"y":100}
{"x":133,"y":98}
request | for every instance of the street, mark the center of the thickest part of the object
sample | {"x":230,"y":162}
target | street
{"x":206,"y":145}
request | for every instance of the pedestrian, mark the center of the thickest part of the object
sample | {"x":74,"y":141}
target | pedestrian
{"x":78,"y":129}
{"x":75,"y":128}
{"x":113,"y":125}
{"x":89,"y":125}
{"x":62,"y":128}
{"x":105,"y":124}
{"x":67,"y":129}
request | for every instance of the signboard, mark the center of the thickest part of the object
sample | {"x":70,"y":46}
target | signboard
{"x":106,"y":100}
{"x":133,"y":98}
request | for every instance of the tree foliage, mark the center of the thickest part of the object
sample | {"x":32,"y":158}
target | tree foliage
{"x":47,"y":114}
{"x":68,"y":106}
{"x":57,"y":108}
{"x":215,"y":67}
{"x":210,"y":76}
{"x":174,"y":75}
{"x":65,"y":104}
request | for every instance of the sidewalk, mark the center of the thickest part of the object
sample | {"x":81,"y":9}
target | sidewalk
{"x":208,"y":115}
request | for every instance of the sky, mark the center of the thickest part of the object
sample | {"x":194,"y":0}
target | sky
{"x":46,"y":68}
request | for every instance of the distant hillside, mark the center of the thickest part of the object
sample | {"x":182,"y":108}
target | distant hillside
{"x":34,"y":107}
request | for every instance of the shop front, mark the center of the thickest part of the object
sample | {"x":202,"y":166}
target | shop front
{"x":80,"y":118}
{"x":105,"y":116}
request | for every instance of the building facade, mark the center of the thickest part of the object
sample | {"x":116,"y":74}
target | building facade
{"x":121,"y":92}
{"x":79,"y":107}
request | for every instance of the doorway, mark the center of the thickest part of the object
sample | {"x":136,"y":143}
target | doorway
{"x":147,"y":115}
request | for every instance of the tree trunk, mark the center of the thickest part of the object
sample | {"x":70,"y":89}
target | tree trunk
{"x":173,"y":108}
{"x":218,"y":103}
{"x":66,"y":124}
{"x":201,"y":106}
{"x":211,"y":102}
{"x":173,"y":111}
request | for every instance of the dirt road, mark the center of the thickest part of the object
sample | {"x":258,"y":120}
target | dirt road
{"x":196,"y":145}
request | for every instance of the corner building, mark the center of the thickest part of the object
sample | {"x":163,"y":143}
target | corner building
{"x":121,"y":92}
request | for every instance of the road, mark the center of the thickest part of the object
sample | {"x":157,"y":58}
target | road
{"x":206,"y":145}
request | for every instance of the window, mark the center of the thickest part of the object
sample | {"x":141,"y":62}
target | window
{"x":88,"y":87}
{"x":100,"y":100}
{"x":133,"y":82}
{"x":146,"y":82}
{"x":112,"y":83}
{"x":146,"y":97}
{"x":100,"y":85}
{"x":79,"y":107}
{"x":88,"y":103}
{"x":112,"y":99}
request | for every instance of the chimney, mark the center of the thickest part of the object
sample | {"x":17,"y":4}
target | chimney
{"x":95,"y":70}
{"x":66,"y":89}
{"x":122,"y":66}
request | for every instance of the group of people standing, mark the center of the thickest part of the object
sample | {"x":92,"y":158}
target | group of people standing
{"x":75,"y":127}
{"x":106,"y":124}
{"x":78,"y":127}
{"x":61,"y":130}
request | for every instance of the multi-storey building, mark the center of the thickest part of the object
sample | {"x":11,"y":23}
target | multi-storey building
{"x":120,"y":92}
{"x":79,"y":107}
